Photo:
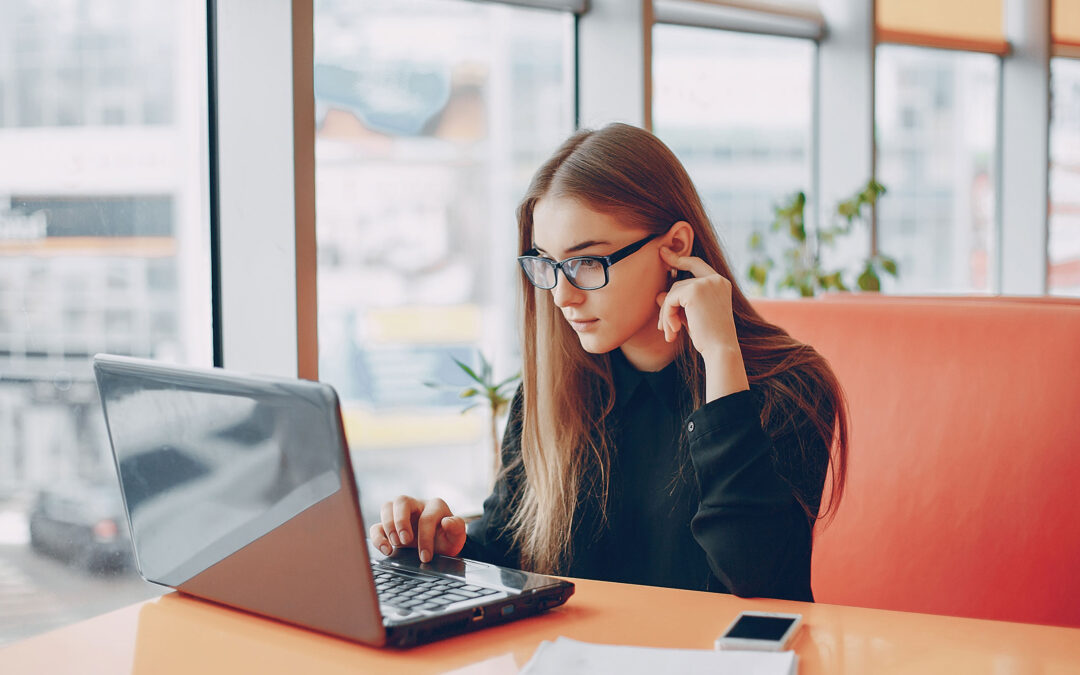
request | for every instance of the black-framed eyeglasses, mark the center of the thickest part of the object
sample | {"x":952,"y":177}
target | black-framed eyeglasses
{"x":587,"y":272}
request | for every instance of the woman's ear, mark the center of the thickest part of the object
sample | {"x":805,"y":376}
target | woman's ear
{"x":680,"y":238}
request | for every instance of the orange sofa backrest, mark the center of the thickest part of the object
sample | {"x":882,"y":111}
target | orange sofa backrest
{"x":964,"y":473}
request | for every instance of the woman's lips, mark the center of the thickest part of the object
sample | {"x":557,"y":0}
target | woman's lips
{"x":582,"y":325}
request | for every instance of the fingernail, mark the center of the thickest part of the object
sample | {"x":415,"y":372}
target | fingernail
{"x":385,"y":549}
{"x":394,"y":539}
{"x":425,"y":556}
{"x":404,"y":537}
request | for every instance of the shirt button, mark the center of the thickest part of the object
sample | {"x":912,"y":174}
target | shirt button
{"x":690,"y":427}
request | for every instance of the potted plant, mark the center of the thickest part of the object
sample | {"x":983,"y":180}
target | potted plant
{"x":486,"y":391}
{"x":803,"y":270}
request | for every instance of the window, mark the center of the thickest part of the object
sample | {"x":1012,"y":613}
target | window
{"x":936,"y":125}
{"x":432,"y":116}
{"x":737,"y":111}
{"x":104,"y":247}
{"x":1064,"y":239}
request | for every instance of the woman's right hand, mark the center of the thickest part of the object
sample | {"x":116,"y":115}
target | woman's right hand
{"x":428,"y":526}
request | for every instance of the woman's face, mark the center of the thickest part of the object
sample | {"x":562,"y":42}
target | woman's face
{"x":624,"y":312}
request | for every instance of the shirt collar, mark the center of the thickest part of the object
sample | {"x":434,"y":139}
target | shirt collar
{"x":664,"y":383}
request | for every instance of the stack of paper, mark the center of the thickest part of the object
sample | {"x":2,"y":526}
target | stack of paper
{"x":569,"y":657}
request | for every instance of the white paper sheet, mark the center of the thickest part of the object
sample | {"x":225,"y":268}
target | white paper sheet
{"x":570,"y":657}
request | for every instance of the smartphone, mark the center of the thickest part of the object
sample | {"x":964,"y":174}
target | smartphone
{"x":762,"y":631}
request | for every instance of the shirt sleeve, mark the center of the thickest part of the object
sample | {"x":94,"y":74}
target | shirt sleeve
{"x":756,"y":536}
{"x":487,"y":538}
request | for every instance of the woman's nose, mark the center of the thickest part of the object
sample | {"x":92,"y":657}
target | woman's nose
{"x":566,"y":294}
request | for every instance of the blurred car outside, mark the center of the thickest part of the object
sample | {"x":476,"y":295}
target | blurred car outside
{"x":82,"y":524}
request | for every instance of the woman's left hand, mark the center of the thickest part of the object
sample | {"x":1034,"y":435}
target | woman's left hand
{"x":703,"y":306}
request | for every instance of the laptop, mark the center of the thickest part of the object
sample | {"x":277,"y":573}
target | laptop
{"x":239,"y":489}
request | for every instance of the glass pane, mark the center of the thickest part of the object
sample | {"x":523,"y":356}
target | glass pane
{"x":1064,"y":243}
{"x":104,"y":247}
{"x":936,"y":121}
{"x":432,"y":116}
{"x":737,"y":111}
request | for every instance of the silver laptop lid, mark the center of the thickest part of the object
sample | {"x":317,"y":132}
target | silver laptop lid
{"x":238,"y":489}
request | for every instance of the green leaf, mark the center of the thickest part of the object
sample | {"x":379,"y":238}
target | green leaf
{"x":755,"y":241}
{"x":868,"y":280}
{"x":468,"y":371}
{"x":469,"y":393}
{"x":485,"y":369}
{"x":832,"y":280}
{"x":758,"y":274}
{"x":889,"y":265}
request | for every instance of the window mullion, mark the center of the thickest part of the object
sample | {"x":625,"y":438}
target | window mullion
{"x":1024,"y":169}
{"x":256,"y":207}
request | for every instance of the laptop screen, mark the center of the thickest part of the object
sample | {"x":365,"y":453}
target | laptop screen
{"x":210,"y":463}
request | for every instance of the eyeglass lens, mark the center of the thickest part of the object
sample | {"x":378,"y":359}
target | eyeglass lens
{"x":585,"y":273}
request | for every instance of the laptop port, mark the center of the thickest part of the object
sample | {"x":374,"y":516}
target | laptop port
{"x":477,"y":613}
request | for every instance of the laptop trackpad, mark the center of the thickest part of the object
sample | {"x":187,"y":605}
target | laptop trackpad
{"x":469,"y":571}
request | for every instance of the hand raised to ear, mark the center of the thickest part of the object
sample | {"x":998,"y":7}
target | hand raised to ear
{"x":702,"y":305}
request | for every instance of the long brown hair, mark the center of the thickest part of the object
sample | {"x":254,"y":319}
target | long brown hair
{"x":627,"y":172}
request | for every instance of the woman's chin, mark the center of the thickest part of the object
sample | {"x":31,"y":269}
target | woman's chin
{"x":593,"y":344}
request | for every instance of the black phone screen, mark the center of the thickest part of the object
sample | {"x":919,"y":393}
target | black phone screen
{"x":759,"y":628}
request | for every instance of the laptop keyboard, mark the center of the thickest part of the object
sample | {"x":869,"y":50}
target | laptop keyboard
{"x":421,"y":592}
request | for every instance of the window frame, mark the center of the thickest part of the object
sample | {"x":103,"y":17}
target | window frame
{"x":262,"y":213}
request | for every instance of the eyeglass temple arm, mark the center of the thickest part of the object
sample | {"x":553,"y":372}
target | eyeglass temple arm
{"x":629,"y":250}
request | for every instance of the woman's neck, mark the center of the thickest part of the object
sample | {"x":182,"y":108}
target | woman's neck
{"x":650,"y":356}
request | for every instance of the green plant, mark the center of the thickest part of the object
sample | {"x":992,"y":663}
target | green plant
{"x":803,"y":270}
{"x":485,"y":390}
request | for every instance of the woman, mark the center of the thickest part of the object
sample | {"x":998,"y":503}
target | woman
{"x":664,"y":433}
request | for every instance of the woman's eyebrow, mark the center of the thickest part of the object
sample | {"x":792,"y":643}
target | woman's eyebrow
{"x":576,"y":247}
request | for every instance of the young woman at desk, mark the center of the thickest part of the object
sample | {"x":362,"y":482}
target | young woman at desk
{"x":664,"y":433}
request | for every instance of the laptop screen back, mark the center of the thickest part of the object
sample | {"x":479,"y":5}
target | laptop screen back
{"x":208,"y":465}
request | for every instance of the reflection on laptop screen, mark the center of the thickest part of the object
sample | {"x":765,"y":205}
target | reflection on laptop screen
{"x":206,"y":473}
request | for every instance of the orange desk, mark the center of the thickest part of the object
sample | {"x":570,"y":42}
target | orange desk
{"x":177,"y":634}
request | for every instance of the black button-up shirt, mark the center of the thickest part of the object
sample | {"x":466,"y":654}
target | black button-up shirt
{"x":695,"y":501}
